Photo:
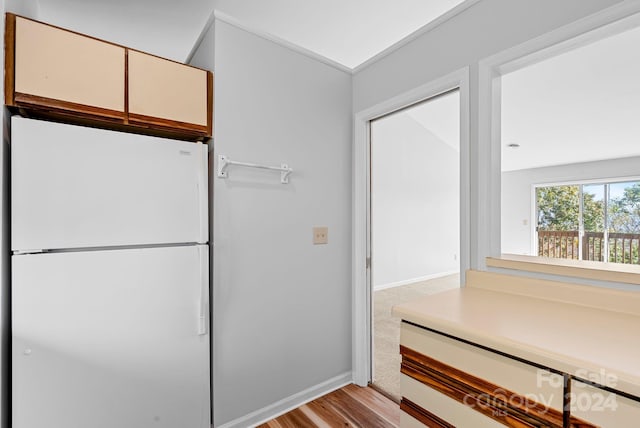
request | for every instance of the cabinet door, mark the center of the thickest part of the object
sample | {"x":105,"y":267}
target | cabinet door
{"x":603,"y":408}
{"x":65,"y":70}
{"x":163,"y":92}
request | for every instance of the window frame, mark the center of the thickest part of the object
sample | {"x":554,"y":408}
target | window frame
{"x":581,"y":183}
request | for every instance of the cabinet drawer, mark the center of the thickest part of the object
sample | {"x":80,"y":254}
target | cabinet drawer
{"x":443,"y":407}
{"x":166,"y":90}
{"x":603,"y":408}
{"x":523,"y":379}
{"x":65,"y":67}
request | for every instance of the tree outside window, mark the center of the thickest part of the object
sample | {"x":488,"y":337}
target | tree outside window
{"x":605,"y":228}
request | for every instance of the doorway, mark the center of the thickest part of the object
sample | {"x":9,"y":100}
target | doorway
{"x":414,"y":218}
{"x":362,"y":291}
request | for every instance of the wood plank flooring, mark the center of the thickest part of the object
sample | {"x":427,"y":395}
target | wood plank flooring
{"x":351,"y":406}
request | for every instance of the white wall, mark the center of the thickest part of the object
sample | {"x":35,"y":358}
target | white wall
{"x":281,"y":306}
{"x":485,"y":28}
{"x":517,"y":203}
{"x":415,"y":194}
{"x":28,"y":8}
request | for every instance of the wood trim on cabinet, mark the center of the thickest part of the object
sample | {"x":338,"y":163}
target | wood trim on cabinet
{"x":498,"y":403}
{"x":209,"y":103}
{"x":9,"y":58}
{"x":142,"y":120}
{"x":43,"y":103}
{"x":104,"y":123}
{"x":126,"y":86}
{"x":69,"y":112}
{"x":424,"y":416}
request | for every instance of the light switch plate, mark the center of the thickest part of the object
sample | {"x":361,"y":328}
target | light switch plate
{"x":320,"y":235}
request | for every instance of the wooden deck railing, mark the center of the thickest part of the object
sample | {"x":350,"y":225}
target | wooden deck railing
{"x":593,"y":246}
{"x":623,"y":247}
{"x":558,"y":244}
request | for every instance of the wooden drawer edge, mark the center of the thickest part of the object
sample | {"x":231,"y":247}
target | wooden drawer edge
{"x":423,"y":415}
{"x":489,"y":399}
{"x":43,"y":103}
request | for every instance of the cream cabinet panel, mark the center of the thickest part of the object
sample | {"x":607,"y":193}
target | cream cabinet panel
{"x":163,"y":89}
{"x":537,"y":384}
{"x":407,"y":421}
{"x":68,"y":67}
{"x":603,"y":408}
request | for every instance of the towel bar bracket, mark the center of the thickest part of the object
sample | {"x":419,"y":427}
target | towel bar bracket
{"x":224,"y":163}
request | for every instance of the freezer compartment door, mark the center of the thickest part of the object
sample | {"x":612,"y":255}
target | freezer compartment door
{"x":108,"y":339}
{"x":78,"y":187}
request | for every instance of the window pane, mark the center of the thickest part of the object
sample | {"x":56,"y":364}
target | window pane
{"x":558,"y":207}
{"x":624,"y":222}
{"x":558,"y":220}
{"x":593,"y":240}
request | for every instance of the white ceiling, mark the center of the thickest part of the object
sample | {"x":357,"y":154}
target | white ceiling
{"x":346,"y":31}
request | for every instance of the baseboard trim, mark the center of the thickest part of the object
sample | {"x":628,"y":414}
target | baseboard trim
{"x":412,"y":280}
{"x":286,"y":404}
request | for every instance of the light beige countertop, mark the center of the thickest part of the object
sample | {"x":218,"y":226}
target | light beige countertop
{"x":577,"y":339}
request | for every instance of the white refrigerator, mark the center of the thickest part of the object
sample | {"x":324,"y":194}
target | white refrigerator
{"x":110,"y":279}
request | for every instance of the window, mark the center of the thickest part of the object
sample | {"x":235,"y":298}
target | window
{"x":592,"y":221}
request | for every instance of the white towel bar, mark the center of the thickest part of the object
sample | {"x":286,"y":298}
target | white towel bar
{"x":224,"y":162}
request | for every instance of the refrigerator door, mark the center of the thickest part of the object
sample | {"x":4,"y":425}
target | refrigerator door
{"x":115,"y":338}
{"x":79,"y":187}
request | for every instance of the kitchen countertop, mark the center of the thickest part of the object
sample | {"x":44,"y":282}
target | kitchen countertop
{"x":587,"y":342}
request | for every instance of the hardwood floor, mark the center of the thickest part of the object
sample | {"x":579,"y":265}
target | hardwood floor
{"x":351,"y":406}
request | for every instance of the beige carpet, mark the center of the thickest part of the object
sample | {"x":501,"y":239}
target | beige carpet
{"x":386,"y":329}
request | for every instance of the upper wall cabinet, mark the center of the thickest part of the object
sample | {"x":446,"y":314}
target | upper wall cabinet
{"x":55,"y":73}
{"x":60,"y":68}
{"x":155,"y":98}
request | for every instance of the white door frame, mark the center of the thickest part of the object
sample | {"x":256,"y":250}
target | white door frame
{"x":361,"y":328}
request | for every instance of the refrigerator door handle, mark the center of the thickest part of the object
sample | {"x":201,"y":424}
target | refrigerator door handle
{"x":203,"y":312}
{"x":203,"y":193}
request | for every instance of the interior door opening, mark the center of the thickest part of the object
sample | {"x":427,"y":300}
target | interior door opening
{"x":414,"y":219}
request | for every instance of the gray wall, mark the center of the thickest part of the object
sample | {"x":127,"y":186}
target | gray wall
{"x":486,"y":28}
{"x":281,"y":306}
{"x":203,"y":54}
{"x":517,"y":204}
{"x":415,"y":202}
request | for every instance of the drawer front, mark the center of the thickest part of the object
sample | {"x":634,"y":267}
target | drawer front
{"x":441,"y":406}
{"x":68,"y":67}
{"x":603,"y":408}
{"x":536,"y":384}
{"x":159,"y":88}
{"x":407,"y":421}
